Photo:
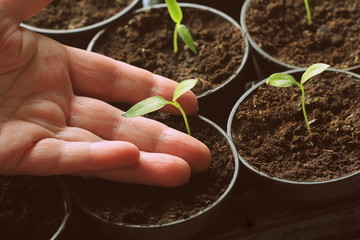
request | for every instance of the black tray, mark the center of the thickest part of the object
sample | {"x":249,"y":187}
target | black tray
{"x":251,"y":216}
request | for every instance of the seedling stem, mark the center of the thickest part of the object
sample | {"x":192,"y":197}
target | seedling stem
{"x":308,"y":12}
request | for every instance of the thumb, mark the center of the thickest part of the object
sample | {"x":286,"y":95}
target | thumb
{"x":17,"y":45}
{"x":20,"y":10}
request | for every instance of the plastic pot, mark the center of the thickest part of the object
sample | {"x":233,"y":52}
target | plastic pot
{"x":35,"y":207}
{"x":175,"y":229}
{"x":230,"y":87}
{"x":264,"y":63}
{"x":304,"y":192}
{"x":80,"y":37}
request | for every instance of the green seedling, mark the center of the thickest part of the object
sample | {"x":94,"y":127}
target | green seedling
{"x":308,"y":12}
{"x":176,"y":15}
{"x":286,"y":80}
{"x":154,"y":103}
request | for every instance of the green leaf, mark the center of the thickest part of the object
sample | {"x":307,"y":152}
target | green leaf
{"x":174,"y":11}
{"x":186,"y":37}
{"x":183,"y":87}
{"x":313,"y":70}
{"x":148,"y":105}
{"x":281,"y":80}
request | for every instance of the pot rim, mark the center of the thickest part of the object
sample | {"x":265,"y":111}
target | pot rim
{"x":67,"y":209}
{"x":265,"y":54}
{"x":202,"y":7}
{"x":223,"y":196}
{"x":84,"y":28}
{"x":245,"y":95}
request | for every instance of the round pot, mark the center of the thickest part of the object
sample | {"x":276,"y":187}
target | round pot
{"x":265,"y":63}
{"x":80,"y":37}
{"x":139,"y":195}
{"x":273,"y":187}
{"x":227,"y":83}
{"x":36,"y":207}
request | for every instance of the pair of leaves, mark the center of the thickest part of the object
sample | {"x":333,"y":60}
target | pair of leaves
{"x":286,"y":80}
{"x":176,"y":15}
{"x":155,"y":103}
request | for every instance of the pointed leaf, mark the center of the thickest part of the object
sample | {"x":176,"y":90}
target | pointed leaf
{"x":174,"y":11}
{"x":186,"y":37}
{"x":148,"y":105}
{"x":281,"y":80}
{"x":313,"y":70}
{"x":183,"y":87}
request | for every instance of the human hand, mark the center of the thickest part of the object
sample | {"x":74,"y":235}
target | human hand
{"x":54,"y":118}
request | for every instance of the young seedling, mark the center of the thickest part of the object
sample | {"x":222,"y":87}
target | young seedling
{"x":308,"y":12}
{"x":176,"y":15}
{"x":154,"y":103}
{"x":286,"y":80}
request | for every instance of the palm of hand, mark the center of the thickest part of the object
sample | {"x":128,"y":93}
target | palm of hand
{"x":35,"y":100}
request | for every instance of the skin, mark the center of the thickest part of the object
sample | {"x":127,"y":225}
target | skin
{"x":54,"y":118}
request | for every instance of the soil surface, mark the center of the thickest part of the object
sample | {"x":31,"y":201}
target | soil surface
{"x":281,"y":29}
{"x":70,"y":14}
{"x":230,"y":7}
{"x":270,"y":134}
{"x":29,"y":208}
{"x":147,"y":205}
{"x":146,"y":41}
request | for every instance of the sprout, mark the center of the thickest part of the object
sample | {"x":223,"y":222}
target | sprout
{"x":154,"y":103}
{"x":176,"y":15}
{"x":308,"y":12}
{"x":286,"y":80}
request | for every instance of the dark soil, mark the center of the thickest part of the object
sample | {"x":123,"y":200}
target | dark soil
{"x":147,"y":205}
{"x":70,"y":14}
{"x":230,"y":7}
{"x":270,"y":134}
{"x":280,"y":28}
{"x":29,"y":208}
{"x":146,"y":41}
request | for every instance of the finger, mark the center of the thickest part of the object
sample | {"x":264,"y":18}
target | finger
{"x":104,"y":78}
{"x":148,"y":135}
{"x":54,"y":157}
{"x":17,"y":45}
{"x":153,"y":169}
